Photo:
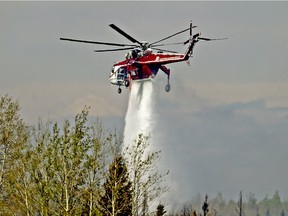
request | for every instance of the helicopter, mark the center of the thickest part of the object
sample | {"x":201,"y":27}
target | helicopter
{"x":141,"y":63}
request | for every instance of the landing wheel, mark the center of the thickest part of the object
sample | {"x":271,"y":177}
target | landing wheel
{"x":167,"y":87}
{"x":127,"y":83}
{"x":119,"y":90}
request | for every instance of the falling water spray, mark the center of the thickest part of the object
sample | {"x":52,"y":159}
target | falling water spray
{"x":139,"y":116}
{"x":143,"y":117}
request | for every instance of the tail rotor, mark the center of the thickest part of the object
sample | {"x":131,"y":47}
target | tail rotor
{"x":191,"y":28}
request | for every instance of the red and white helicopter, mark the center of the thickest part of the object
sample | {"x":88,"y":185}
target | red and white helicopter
{"x":141,"y":62}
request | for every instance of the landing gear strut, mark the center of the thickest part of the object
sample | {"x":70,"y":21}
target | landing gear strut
{"x":167,"y":87}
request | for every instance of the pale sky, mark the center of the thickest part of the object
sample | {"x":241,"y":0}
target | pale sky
{"x":225,"y":120}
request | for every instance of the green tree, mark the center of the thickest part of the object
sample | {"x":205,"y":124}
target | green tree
{"x":14,"y":139}
{"x":42,"y":169}
{"x":146,"y":178}
{"x":65,"y":167}
{"x":252,"y":201}
{"x":68,"y":158}
{"x":95,"y":165}
{"x":52,"y":170}
{"x":117,"y":197}
{"x":276,"y":203}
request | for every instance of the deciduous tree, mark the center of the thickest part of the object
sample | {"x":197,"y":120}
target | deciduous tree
{"x":14,"y":136}
{"x":147,"y":180}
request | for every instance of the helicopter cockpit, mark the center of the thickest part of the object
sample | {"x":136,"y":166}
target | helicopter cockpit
{"x":121,"y":74}
{"x":119,"y":77}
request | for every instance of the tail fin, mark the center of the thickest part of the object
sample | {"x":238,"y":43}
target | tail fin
{"x":192,"y":41}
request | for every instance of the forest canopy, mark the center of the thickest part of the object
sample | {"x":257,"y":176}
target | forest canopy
{"x":78,"y":167}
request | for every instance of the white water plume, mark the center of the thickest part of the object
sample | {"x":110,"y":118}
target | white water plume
{"x":139,"y":116}
{"x":143,"y":116}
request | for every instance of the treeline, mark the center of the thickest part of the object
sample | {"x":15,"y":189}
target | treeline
{"x":245,"y":205}
{"x":73,"y":168}
{"x":78,"y":167}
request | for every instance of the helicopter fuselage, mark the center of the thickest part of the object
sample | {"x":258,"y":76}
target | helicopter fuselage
{"x":142,"y":67}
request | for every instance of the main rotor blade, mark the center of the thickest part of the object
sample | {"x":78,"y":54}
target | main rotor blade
{"x":111,"y":50}
{"x":124,"y":34}
{"x":172,"y":35}
{"x":167,"y":44}
{"x":210,"y":39}
{"x":95,"y":42}
{"x":163,"y":50}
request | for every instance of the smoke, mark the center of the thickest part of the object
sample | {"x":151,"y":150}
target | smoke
{"x":208,"y":147}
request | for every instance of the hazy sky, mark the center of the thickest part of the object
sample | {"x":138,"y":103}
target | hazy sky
{"x":225,"y":120}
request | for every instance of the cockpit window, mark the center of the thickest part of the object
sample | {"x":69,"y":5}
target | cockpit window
{"x":121,"y":73}
{"x":122,"y":70}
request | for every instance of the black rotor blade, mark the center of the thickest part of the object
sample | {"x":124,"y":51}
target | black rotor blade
{"x":186,"y":42}
{"x":210,"y":39}
{"x":95,"y":42}
{"x":172,"y":35}
{"x":124,"y":34}
{"x":111,"y":50}
{"x":163,"y":50}
{"x":167,"y":44}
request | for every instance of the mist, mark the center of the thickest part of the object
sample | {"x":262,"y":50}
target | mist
{"x":209,"y":148}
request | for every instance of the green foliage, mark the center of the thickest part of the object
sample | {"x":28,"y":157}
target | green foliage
{"x":56,"y":166}
{"x":147,"y":181}
{"x":60,"y":169}
{"x":117,"y":197}
{"x":51,"y":169}
{"x":68,"y":165}
{"x":14,"y":137}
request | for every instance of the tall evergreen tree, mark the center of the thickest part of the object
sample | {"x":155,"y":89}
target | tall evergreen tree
{"x":205,"y":206}
{"x":117,"y":197}
{"x":160,"y":210}
{"x":240,"y":206}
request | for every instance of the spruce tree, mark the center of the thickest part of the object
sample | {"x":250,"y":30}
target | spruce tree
{"x":160,"y":210}
{"x":117,"y":197}
{"x":205,"y":206}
